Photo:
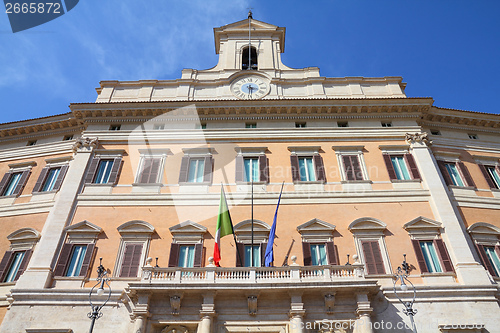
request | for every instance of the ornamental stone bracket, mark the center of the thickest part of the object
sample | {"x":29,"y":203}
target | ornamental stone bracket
{"x":141,"y":306}
{"x":329,"y":302}
{"x":85,"y":144}
{"x":252,"y":305}
{"x":421,"y":138}
{"x":175,"y":304}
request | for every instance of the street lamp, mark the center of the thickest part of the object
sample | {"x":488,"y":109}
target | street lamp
{"x":102,"y":280}
{"x":402,"y":276}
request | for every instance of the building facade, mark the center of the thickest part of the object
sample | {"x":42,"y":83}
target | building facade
{"x":133,"y":182}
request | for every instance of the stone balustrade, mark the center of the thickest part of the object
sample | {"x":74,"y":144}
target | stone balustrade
{"x":235,"y":275}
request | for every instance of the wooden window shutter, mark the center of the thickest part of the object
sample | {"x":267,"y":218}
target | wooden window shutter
{"x":487,"y":176}
{"x":24,"y":263}
{"x":183,"y":175}
{"x":131,"y":260}
{"x":198,"y":255}
{"x":22,"y":182}
{"x":467,"y":176}
{"x":3,"y":182}
{"x":294,"y":160}
{"x":240,"y":169}
{"x":240,"y":248}
{"x":62,"y":262}
{"x":5,"y":264}
{"x":263,"y":247}
{"x":443,"y":253}
{"x":150,"y":170}
{"x":415,"y":174}
{"x":444,"y":172}
{"x":373,"y":257}
{"x":358,"y":174}
{"x":331,"y":253}
{"x":87,"y":260}
{"x":89,"y":178}
{"x":115,"y":169}
{"x":484,"y":259}
{"x":390,"y":167}
{"x":207,"y":174}
{"x":320,"y":168}
{"x":420,"y":256}
{"x":41,"y":179}
{"x":264,"y":168}
{"x":173,"y":260}
{"x":60,"y":177}
{"x":349,"y":172}
{"x":306,"y":252}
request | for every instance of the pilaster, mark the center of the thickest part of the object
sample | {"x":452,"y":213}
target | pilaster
{"x":207,"y":313}
{"x":467,"y":269}
{"x":364,"y":310}
{"x":39,"y":272}
{"x":297,"y":313}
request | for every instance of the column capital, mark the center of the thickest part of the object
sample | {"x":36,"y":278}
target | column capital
{"x":85,"y":145}
{"x":418,"y":139}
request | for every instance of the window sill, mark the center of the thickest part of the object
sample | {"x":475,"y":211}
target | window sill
{"x":438,"y":274}
{"x":5,"y":284}
{"x":356,"y":182}
{"x":250,"y":183}
{"x":146,"y":188}
{"x":406,"y":180}
{"x":43,"y":196}
{"x":194,"y":184}
{"x":194,"y":187}
{"x":462,"y":187}
{"x":309,"y":182}
{"x":97,"y":188}
{"x":7,"y":200}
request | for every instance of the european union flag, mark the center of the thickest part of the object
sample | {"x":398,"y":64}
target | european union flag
{"x":269,"y":256}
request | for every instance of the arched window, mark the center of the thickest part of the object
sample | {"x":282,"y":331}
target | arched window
{"x":249,"y":58}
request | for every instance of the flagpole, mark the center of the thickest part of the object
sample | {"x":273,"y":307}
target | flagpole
{"x":234,"y":236}
{"x":251,"y":252}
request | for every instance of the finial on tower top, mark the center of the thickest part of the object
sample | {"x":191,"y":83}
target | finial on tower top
{"x":250,"y":14}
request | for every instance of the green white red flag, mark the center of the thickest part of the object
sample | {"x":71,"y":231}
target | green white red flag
{"x":224,"y":226}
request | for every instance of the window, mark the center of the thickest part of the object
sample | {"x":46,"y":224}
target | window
{"x":68,"y":138}
{"x":201,"y":126}
{"x":31,"y":143}
{"x":342,"y":124}
{"x":307,"y":168}
{"x":196,"y":167}
{"x":158,"y":127}
{"x":249,"y":59}
{"x":14,"y":266}
{"x":115,"y":127}
{"x":134,"y":247}
{"x":401,"y":167}
{"x":386,"y":124}
{"x":150,"y":170}
{"x":435,"y":132}
{"x":473,"y":136}
{"x":16,"y":259}
{"x":76,"y":261}
{"x":432,"y":256}
{"x":50,"y":179}
{"x":251,"y":165}
{"x":318,"y":254}
{"x":485,"y":237}
{"x":250,"y":125}
{"x":352,"y":167}
{"x":491,"y":174}
{"x":456,"y":173}
{"x":103,"y":170}
{"x":300,"y":125}
{"x":13,"y":182}
{"x":317,"y":243}
{"x":373,"y":257}
{"x":256,"y":256}
{"x":244,"y":249}
{"x":493,"y":258}
{"x":185,"y":255}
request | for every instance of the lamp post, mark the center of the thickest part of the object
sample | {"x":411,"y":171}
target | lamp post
{"x":102,"y":280}
{"x":402,"y":276}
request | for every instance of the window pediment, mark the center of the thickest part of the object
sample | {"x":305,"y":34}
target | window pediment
{"x":84,"y":227}
{"x":24,"y":235}
{"x":243,"y":231}
{"x":188,"y":232}
{"x":316,"y":230}
{"x":136,"y":228}
{"x":367,"y":224}
{"x":423,"y":227}
{"x":484,"y":233}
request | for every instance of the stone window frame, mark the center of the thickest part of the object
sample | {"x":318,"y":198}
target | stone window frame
{"x":81,"y":233}
{"x":485,"y":234}
{"x":25,"y":169}
{"x":397,"y":150}
{"x":133,"y":232}
{"x":371,"y":229}
{"x":21,"y":240}
{"x":51,"y":163}
{"x":488,"y":161}
{"x":319,"y":168}
{"x":243,"y":234}
{"x":152,"y":153}
{"x":316,"y":231}
{"x":444,"y":157}
{"x":196,"y":153}
{"x":187,"y":233}
{"x":104,"y":154}
{"x":340,"y":151}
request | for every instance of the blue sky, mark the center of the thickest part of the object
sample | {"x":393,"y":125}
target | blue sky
{"x":446,"y":49}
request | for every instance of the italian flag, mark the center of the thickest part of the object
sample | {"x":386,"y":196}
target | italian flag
{"x":224,"y":226}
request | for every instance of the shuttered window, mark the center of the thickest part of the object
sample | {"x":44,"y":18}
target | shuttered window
{"x":150,"y":170}
{"x":491,"y":174}
{"x":456,"y":174}
{"x":432,"y":256}
{"x":245,"y":251}
{"x":490,"y":257}
{"x":307,"y":168}
{"x":196,"y":169}
{"x":401,"y":167}
{"x":352,"y":167}
{"x":131,"y":260}
{"x":74,"y":260}
{"x":50,"y":179}
{"x":373,"y":257}
{"x":13,"y":183}
{"x":13,"y":265}
{"x":103,"y":170}
{"x":319,"y":254}
{"x":252,"y":168}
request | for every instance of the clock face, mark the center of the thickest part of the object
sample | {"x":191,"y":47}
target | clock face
{"x":250,"y":87}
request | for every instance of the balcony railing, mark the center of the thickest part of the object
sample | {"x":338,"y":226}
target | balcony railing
{"x":328,"y":273}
